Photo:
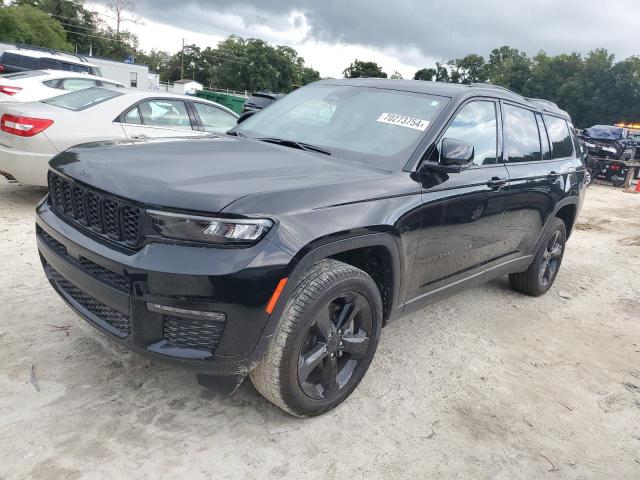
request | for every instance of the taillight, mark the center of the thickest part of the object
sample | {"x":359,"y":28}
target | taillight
{"x":23,"y":126}
{"x":9,"y":90}
{"x":1,"y":68}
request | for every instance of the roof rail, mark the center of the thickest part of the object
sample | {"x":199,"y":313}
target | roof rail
{"x":491,"y":85}
{"x":24,"y":46}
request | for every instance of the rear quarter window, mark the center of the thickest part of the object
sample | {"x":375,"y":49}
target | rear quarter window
{"x":560,"y":137}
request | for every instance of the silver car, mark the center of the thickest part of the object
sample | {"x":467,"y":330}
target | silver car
{"x":31,"y":133}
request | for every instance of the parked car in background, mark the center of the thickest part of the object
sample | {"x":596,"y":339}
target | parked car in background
{"x":20,"y":60}
{"x":34,"y":85}
{"x":31,"y":133}
{"x":281,"y":249}
{"x":260,"y":100}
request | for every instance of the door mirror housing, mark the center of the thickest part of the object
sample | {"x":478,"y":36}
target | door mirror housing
{"x":456,"y":152}
{"x":455,"y":156}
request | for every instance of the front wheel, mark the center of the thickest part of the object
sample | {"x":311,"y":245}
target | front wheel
{"x":542,"y":272}
{"x":324,"y":341}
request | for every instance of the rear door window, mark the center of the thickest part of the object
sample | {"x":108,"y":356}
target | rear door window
{"x":165,"y":113}
{"x":523,"y":139}
{"x":214,"y":119}
{"x":561,"y":144}
{"x":133,"y":117}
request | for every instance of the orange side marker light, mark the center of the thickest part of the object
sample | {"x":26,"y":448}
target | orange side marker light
{"x":276,"y":294}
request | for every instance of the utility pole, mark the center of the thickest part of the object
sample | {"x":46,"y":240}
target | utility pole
{"x":182,"y":62}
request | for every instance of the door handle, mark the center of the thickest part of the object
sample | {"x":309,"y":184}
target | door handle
{"x":497,"y":182}
{"x":553,"y":175}
{"x":138,"y":137}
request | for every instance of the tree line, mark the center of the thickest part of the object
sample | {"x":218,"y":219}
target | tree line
{"x":592,"y":88}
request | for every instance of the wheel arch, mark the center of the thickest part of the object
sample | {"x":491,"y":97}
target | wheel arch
{"x":357,"y":251}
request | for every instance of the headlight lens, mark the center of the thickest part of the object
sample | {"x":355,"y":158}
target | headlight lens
{"x":221,"y":231}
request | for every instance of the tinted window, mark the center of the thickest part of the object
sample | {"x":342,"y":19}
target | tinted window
{"x":523,"y":141}
{"x":165,"y":113}
{"x":82,"y":99}
{"x":20,"y":61}
{"x":546,"y":148}
{"x":133,"y":117}
{"x":561,"y":145}
{"x":369,"y":125}
{"x":74,"y":67}
{"x":215,"y":120}
{"x":73,"y":84}
{"x":49,"y":64}
{"x":476,"y":124}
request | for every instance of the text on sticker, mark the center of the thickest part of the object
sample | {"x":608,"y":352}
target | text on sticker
{"x":403,"y":121}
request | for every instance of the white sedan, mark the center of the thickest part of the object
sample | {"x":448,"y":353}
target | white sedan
{"x":34,"y":85}
{"x":31,"y":133}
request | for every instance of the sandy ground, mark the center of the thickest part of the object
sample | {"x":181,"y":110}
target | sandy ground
{"x":486,"y":384}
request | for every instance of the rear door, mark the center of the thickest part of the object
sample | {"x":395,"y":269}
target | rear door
{"x":540,"y":160}
{"x":159,"y":117}
{"x":462,"y":212}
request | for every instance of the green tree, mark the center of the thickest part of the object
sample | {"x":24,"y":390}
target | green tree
{"x":468,"y":69}
{"x":363,"y":69}
{"x":396,"y":75}
{"x":509,"y":67}
{"x":425,"y":74}
{"x":27,"y":24}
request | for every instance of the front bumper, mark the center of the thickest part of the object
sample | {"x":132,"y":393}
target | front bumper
{"x":118,"y":293}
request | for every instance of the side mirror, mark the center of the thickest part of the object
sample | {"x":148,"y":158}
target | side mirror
{"x":244,"y":116}
{"x":456,"y":152}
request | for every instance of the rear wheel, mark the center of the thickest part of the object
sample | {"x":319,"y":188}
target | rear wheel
{"x":542,"y":272}
{"x":324,"y":342}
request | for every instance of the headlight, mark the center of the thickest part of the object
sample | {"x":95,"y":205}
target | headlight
{"x":609,"y":149}
{"x":221,"y":231}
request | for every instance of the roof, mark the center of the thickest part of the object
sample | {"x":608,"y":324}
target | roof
{"x":456,"y":91}
{"x":185,"y":80}
{"x":50,"y":54}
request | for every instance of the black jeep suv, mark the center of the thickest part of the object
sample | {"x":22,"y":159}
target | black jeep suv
{"x":280,"y":249}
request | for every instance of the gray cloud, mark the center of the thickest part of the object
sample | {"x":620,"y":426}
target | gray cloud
{"x":435,"y":30}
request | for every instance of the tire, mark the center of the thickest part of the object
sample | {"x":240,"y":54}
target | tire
{"x":330,"y":290}
{"x":588,"y":177}
{"x":542,"y":272}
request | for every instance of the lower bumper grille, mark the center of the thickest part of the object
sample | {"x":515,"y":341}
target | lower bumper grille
{"x":118,"y":320}
{"x":195,"y":334}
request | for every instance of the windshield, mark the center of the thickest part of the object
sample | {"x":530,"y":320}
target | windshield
{"x":370,"y":125}
{"x":81,"y":99}
{"x":604,"y":132}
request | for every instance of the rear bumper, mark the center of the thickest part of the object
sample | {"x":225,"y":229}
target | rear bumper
{"x":26,"y":167}
{"x":126,"y":295}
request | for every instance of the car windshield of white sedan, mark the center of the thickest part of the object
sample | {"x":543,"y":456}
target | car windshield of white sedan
{"x":82,"y":99}
{"x":376,"y":126}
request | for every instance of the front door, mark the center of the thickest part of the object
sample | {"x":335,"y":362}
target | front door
{"x":463,"y":210}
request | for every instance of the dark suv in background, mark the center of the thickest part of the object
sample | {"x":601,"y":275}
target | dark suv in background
{"x":281,"y":249}
{"x":260,"y":100}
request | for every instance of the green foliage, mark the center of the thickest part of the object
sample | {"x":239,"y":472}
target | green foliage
{"x":27,"y":24}
{"x":593,"y":89}
{"x":363,"y":69}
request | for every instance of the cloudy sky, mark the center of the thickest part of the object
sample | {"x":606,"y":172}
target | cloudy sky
{"x":402,"y":35}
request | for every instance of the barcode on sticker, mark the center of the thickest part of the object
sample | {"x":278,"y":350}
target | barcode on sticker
{"x":403,"y":121}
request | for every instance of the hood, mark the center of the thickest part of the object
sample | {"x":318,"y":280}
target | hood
{"x":206,"y":174}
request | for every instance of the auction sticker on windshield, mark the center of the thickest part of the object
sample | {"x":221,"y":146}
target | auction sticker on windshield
{"x":403,"y":121}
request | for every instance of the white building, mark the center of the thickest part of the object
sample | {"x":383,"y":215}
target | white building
{"x":184,"y":86}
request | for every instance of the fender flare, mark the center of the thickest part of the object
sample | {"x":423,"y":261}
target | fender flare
{"x":309,"y":255}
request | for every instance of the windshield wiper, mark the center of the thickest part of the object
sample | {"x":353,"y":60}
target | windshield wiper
{"x":235,"y":133}
{"x":292,"y":143}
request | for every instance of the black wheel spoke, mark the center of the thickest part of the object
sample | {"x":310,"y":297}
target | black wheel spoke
{"x":330,"y":377}
{"x":308,"y":362}
{"x":324,"y":324}
{"x":355,"y":345}
{"x":351,"y":308}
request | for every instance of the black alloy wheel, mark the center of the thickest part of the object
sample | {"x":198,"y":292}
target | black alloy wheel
{"x":335,"y":345}
{"x":550,"y":260}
